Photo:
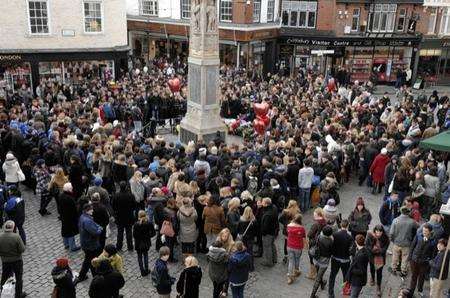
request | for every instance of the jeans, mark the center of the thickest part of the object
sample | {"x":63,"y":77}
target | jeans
{"x":120,"y":229}
{"x":356,"y":290}
{"x":237,"y":292}
{"x":335,"y":267}
{"x":137,"y":126}
{"x":143,"y":261}
{"x":379,"y":273}
{"x":319,"y":280}
{"x":269,"y":250}
{"x":294,"y":256}
{"x":8,"y":268}
{"x":304,"y":199}
{"x":418,"y":272}
{"x":88,"y":256}
{"x":249,"y":245}
{"x":69,"y":242}
{"x":218,"y":287}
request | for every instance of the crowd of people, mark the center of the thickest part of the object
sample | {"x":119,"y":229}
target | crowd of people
{"x":88,"y":149}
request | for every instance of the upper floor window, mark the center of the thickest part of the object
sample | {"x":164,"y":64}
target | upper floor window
{"x":432,"y":20}
{"x":38,"y":17}
{"x":185,"y":9}
{"x":149,"y":7}
{"x":270,"y":10}
{"x":300,"y":14}
{"x":355,"y":19}
{"x":445,"y":22}
{"x":226,"y":10}
{"x":382,"y":17}
{"x":93,"y":19}
{"x":256,"y":10}
{"x":401,"y":22}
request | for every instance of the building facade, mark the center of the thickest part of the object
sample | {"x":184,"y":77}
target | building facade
{"x":60,"y":40}
{"x":248,"y":30}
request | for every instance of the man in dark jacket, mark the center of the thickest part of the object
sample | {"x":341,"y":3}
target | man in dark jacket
{"x":124,"y":206}
{"x":321,"y":257}
{"x":420,"y":253}
{"x":11,"y":250}
{"x":69,"y":217}
{"x":389,"y":210}
{"x":107,"y":283}
{"x":436,"y":279}
{"x":90,"y":241}
{"x":15,"y":210}
{"x":269,"y":230}
{"x":357,"y":274}
{"x":340,"y":258}
{"x":160,"y":273}
{"x":101,"y":216}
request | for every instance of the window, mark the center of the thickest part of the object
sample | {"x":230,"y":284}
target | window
{"x":382,"y":17}
{"x":355,"y":19}
{"x":270,"y":10}
{"x":38,"y":17}
{"x":445,"y":22}
{"x":226,"y":10}
{"x":432,"y":21}
{"x":149,"y":7}
{"x":401,"y":20}
{"x":301,"y":14}
{"x":185,"y":9}
{"x":256,"y":10}
{"x":93,"y":16}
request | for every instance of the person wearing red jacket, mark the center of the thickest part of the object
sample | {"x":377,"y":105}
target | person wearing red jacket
{"x":377,"y":170}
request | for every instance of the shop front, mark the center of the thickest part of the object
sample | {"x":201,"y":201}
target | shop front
{"x":434,"y":61}
{"x":30,"y":68}
{"x":362,"y":57}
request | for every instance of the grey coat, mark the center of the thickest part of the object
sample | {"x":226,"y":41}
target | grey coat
{"x":187,"y":217}
{"x":403,"y":230}
{"x":218,"y":261}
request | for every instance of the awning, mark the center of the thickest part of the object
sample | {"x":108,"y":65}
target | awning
{"x":439,"y":142}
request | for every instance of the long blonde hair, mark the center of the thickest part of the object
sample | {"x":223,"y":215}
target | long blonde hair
{"x":229,"y":243}
{"x":60,"y":178}
{"x":292,"y":208}
{"x":234,"y":204}
{"x":142,"y":217}
{"x":248,"y":214}
{"x":191,"y":261}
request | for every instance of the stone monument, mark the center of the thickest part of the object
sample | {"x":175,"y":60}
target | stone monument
{"x":202,"y":120}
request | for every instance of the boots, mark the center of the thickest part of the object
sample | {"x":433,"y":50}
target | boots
{"x":378,"y":291}
{"x":312,"y":272}
{"x":297,"y":273}
{"x":290,"y":280}
{"x":372,"y":282}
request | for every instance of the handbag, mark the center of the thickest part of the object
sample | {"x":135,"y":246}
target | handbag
{"x":240,"y":237}
{"x":167,"y":229}
{"x":347,"y":289}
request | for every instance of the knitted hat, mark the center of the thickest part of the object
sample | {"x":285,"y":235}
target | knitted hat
{"x":384,"y":151}
{"x":327,"y":231}
{"x":98,"y":181}
{"x":10,"y":156}
{"x":331,"y":202}
{"x":62,"y":262}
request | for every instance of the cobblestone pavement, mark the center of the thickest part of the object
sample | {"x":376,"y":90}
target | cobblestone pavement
{"x":45,"y":245}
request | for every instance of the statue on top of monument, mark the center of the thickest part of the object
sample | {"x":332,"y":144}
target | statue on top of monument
{"x":211,"y":23}
{"x":196,"y":15}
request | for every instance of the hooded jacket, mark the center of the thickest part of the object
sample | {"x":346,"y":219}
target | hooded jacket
{"x":15,"y":210}
{"x":11,"y":169}
{"x":63,"y":279}
{"x":218,"y":260}
{"x":189,"y":282}
{"x":187,"y":217}
{"x":388,"y":211}
{"x":239,"y":267}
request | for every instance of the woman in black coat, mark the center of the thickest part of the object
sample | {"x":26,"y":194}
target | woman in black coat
{"x":377,"y":244}
{"x":189,"y":282}
{"x":107,"y":283}
{"x":69,"y":217}
{"x":63,"y":279}
{"x":143,"y":231}
{"x":76,"y":176}
{"x":357,"y":273}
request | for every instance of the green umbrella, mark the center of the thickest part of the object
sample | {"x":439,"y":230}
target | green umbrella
{"x":439,"y":142}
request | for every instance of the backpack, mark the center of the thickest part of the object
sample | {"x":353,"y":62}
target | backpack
{"x":155,"y":277}
{"x":252,"y":185}
{"x":109,"y":112}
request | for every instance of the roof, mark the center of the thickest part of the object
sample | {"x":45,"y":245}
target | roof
{"x":439,"y":142}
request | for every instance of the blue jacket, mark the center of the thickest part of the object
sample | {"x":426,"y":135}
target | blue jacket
{"x":388,"y":211}
{"x":165,"y":280}
{"x":238,"y":268}
{"x":89,"y":233}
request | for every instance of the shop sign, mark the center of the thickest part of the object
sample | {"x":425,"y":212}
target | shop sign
{"x":10,"y":57}
{"x":349,"y":42}
{"x":322,"y":52}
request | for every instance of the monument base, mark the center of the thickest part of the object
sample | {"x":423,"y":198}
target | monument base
{"x":190,"y":133}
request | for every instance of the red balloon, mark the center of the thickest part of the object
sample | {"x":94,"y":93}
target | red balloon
{"x":175,"y":84}
{"x":261,"y":109}
{"x":266,"y":120}
{"x":259,"y":126}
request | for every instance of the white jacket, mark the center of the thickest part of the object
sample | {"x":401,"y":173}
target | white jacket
{"x":11,"y":169}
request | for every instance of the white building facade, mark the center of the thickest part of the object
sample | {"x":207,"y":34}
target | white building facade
{"x":55,"y":40}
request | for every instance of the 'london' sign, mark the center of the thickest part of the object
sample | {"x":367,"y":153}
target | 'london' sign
{"x":10,"y":57}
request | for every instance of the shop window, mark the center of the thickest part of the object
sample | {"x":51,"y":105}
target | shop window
{"x":401,"y":20}
{"x":445,"y":22}
{"x":270,"y":10}
{"x":149,"y":7}
{"x":226,"y":10}
{"x":432,"y":21}
{"x":38,"y":17}
{"x":93,"y":17}
{"x":355,"y":19}
{"x":256,"y":10}
{"x":301,"y":14}
{"x":185,"y":9}
{"x":382,"y":17}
